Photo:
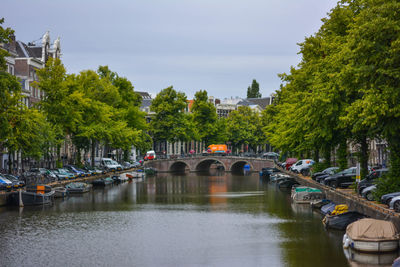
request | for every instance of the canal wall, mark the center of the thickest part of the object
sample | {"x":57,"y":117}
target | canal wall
{"x":349,"y":197}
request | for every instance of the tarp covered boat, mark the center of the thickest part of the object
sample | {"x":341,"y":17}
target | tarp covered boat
{"x":371,"y":235}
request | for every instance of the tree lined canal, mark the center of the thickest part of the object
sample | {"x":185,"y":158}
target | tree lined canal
{"x":169,"y":220}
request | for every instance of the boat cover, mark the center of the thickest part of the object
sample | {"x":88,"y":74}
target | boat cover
{"x":339,"y":209}
{"x":307,"y":189}
{"x":372,"y":230}
{"x":328,"y":208}
{"x":75,"y":185}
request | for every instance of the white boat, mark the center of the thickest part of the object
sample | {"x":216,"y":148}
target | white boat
{"x":304,"y":194}
{"x":60,"y":192}
{"x":371,"y":235}
{"x":135,"y":174}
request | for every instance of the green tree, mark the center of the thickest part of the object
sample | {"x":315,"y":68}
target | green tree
{"x":253,"y":91}
{"x":170,"y":123}
{"x":204,"y":116}
{"x":243,"y":127}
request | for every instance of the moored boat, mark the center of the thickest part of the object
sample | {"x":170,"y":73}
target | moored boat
{"x":78,"y":187}
{"x":371,"y":235}
{"x":60,"y":192}
{"x":34,"y":195}
{"x":132,"y":175}
{"x":328,"y":208}
{"x":304,"y":194}
{"x":341,"y":221}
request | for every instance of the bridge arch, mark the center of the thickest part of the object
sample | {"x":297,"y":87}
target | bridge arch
{"x":179,"y":166}
{"x":205,"y":164}
{"x":237,"y":166}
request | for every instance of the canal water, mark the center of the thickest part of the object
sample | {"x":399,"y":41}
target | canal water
{"x":170,"y":220}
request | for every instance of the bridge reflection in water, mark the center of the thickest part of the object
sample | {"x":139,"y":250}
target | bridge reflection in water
{"x":204,"y":163}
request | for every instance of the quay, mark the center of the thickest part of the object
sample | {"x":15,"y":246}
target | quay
{"x":349,"y":197}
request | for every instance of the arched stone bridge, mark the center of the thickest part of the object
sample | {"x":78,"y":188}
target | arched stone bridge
{"x":203,"y":163}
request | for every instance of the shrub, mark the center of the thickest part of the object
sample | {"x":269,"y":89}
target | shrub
{"x":387,"y":184}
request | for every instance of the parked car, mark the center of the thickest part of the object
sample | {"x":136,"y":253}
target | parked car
{"x":301,"y":165}
{"x":327,"y":171}
{"x":75,"y":170}
{"x":344,"y":178}
{"x":136,"y":164}
{"x":395,"y":204}
{"x":126,"y":165}
{"x":63,"y":174}
{"x":110,"y":165}
{"x":368,"y":192}
{"x":370,"y":179}
{"x":5,"y":184}
{"x":17,"y":183}
{"x":332,"y":171}
{"x":385,"y":199}
{"x":271,"y":155}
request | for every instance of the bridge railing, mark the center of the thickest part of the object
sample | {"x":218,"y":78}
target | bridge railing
{"x":204,"y":155}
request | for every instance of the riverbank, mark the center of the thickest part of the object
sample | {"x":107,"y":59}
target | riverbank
{"x":372,"y":209}
{"x":4,"y":195}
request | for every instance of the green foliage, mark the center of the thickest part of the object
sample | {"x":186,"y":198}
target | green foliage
{"x":244,"y":127}
{"x":170,"y":123}
{"x":387,"y":184}
{"x":254,"y":90}
{"x":5,"y":38}
{"x":204,"y":117}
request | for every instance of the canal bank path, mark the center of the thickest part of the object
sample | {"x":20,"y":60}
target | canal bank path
{"x":349,"y":197}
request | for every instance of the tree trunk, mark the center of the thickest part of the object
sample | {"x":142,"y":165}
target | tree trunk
{"x":92,"y":153}
{"x":394,"y":155}
{"x":342,"y":154}
{"x":327,"y":155}
{"x":316,"y":155}
{"x":363,"y":156}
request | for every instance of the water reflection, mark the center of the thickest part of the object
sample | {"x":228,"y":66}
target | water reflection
{"x":216,"y":219}
{"x":357,"y":258}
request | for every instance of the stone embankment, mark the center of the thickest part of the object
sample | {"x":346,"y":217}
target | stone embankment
{"x":349,"y":197}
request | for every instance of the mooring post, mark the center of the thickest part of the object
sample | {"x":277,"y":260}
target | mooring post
{"x":21,"y":204}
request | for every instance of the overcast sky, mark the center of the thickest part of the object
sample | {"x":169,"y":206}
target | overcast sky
{"x":215,"y":45}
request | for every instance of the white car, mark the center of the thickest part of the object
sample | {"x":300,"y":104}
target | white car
{"x":368,"y":192}
{"x":110,"y":164}
{"x":395,"y":204}
{"x":301,"y":165}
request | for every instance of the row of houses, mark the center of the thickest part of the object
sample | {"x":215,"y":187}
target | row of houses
{"x":23,"y":62}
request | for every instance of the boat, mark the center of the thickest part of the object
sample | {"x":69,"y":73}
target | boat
{"x":137,"y":174}
{"x":287,"y":183}
{"x":371,"y":235}
{"x":34,"y":195}
{"x":341,"y":221}
{"x":116,"y":179}
{"x":328,"y":208}
{"x":357,"y":258}
{"x":304,"y":194}
{"x":78,"y":187}
{"x":60,"y":192}
{"x":103,"y":181}
{"x":318,"y":204}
